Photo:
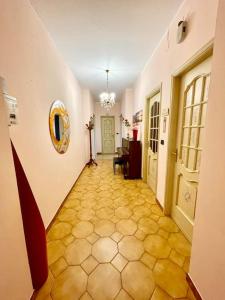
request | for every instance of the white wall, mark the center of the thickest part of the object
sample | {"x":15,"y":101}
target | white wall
{"x":127,"y":110}
{"x":100,"y":111}
{"x":167,"y":58}
{"x":88,"y":111}
{"x":207,"y":268}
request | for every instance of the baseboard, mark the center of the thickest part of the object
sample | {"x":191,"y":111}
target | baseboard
{"x":193,"y":288}
{"x":56,"y":214}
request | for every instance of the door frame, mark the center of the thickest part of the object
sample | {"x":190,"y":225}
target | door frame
{"x":112,"y":117}
{"x":195,"y":60}
{"x":154,"y":92}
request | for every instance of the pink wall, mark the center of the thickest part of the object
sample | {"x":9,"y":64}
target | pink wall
{"x":208,"y":260}
{"x":168,"y":57}
{"x":15,"y":281}
{"x":37,"y":75}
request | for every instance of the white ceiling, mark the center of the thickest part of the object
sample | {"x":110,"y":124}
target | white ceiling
{"x":94,"y":35}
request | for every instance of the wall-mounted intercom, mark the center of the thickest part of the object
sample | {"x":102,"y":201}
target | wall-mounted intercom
{"x":181,"y":31}
{"x":12,"y":109}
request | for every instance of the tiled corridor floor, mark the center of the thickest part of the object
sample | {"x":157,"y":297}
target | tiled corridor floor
{"x":111,"y":241}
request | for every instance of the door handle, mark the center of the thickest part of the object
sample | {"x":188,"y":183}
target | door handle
{"x":175,"y":154}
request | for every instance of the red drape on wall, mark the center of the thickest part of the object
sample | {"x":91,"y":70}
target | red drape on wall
{"x":34,"y":229}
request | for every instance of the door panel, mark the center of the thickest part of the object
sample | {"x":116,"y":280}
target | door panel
{"x":108,"y":134}
{"x":153,"y":141}
{"x":190,"y":135}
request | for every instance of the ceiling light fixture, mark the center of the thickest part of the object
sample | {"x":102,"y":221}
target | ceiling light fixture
{"x":107,"y":99}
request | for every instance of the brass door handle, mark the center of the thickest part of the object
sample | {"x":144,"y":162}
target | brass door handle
{"x":174,"y":153}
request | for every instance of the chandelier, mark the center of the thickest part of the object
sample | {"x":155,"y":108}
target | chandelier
{"x":107,"y":99}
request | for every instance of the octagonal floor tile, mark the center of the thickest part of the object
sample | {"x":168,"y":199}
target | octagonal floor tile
{"x":58,"y":267}
{"x":67,"y":215}
{"x":86,"y":214}
{"x":77,"y":252}
{"x":168,"y":224}
{"x":104,"y":250}
{"x":148,"y":226}
{"x":126,"y":227}
{"x":123,"y":212}
{"x":131,"y":248}
{"x":123,"y":296}
{"x":55,"y":249}
{"x":170,"y":278}
{"x":180,"y":244}
{"x":59,"y":231}
{"x":141,"y":211}
{"x":104,"y":282}
{"x":157,"y":210}
{"x":138,"y":281}
{"x":104,"y":228}
{"x":70,"y":284}
{"x":82,"y":229}
{"x":160,"y":295}
{"x":157,"y":246}
{"x":105,"y":213}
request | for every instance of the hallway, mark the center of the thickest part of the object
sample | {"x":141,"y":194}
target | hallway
{"x":110,"y":240}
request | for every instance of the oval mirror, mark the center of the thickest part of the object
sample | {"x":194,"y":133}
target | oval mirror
{"x":59,"y":126}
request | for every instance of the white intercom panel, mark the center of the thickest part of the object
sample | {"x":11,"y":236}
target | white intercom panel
{"x":12,"y":107}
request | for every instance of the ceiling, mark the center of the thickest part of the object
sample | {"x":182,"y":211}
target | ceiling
{"x":94,"y":35}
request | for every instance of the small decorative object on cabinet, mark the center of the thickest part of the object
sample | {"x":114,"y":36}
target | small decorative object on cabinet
{"x":59,"y":126}
{"x":90,"y":126}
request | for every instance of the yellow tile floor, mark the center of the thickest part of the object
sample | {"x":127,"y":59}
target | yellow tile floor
{"x":112,"y":241}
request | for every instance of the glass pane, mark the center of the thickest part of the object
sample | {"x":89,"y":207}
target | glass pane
{"x":184,"y":155}
{"x":189,"y":96}
{"x":187,"y":116}
{"x":156,"y":147}
{"x":195,"y":115}
{"x":151,"y":122}
{"x":206,"y":89}
{"x":191,"y":159}
{"x":157,"y":122}
{"x":201,"y":137}
{"x":198,"y":90}
{"x":185,"y":136}
{"x":153,"y":146}
{"x":152,"y":134}
{"x":193,"y":139}
{"x":156,"y":134}
{"x":199,"y":153}
{"x":204,"y":108}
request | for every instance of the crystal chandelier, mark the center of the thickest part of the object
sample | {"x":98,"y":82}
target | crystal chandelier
{"x":107,"y":99}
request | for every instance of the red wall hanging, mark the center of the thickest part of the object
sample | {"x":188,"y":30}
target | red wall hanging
{"x":33,"y":225}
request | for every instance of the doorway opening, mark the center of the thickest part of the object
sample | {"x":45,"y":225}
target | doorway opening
{"x":151,"y":138}
{"x":108,"y":134}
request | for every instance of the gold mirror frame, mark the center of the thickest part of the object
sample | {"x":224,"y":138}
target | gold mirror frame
{"x":58,"y":108}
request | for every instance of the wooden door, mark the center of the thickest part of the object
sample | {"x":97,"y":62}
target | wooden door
{"x":189,"y":143}
{"x":108,"y":134}
{"x":153,"y":142}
